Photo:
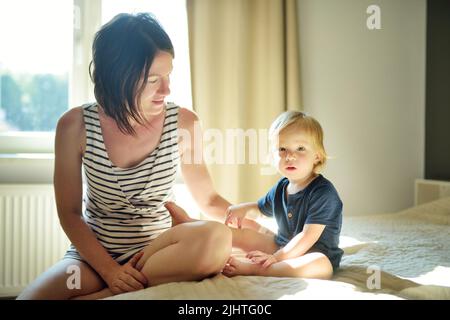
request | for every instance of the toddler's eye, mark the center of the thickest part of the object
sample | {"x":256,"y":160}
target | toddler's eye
{"x":281,"y":149}
{"x":300,"y":149}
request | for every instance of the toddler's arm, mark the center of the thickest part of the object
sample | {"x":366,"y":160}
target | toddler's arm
{"x":301,"y":243}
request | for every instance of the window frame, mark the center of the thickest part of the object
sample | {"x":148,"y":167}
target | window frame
{"x":87,"y":19}
{"x":28,"y":156}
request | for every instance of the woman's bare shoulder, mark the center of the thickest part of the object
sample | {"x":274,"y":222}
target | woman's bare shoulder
{"x":70,"y":128}
{"x":72,"y":120}
{"x":187,"y":118}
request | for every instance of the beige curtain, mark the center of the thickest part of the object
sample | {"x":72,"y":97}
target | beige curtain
{"x":245,"y":71}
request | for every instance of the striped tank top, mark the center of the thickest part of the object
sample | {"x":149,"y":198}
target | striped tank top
{"x":125,"y":207}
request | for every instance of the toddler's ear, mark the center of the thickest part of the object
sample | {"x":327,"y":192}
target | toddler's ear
{"x":316,"y":159}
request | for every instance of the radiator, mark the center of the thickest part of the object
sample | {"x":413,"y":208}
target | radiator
{"x":31,"y":239}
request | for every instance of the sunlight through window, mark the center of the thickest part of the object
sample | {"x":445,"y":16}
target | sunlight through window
{"x":35,"y":63}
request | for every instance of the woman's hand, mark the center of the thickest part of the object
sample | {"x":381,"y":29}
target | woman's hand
{"x":235,"y":215}
{"x":259,"y":257}
{"x":126,"y":278}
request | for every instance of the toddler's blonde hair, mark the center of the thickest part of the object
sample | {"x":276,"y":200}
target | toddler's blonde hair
{"x":304,"y":123}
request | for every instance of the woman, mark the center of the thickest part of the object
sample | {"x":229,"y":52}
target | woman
{"x":128,"y":144}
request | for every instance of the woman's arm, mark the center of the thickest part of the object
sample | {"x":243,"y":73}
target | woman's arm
{"x":243,"y":215}
{"x":196,"y":175}
{"x":193,"y":167}
{"x":301,"y":243}
{"x":249,"y":209}
{"x":69,"y":145}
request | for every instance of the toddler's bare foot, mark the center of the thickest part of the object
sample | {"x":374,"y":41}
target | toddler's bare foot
{"x":236,"y":267}
{"x":178,"y":214}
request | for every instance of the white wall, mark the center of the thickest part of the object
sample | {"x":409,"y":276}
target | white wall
{"x":367,"y":88}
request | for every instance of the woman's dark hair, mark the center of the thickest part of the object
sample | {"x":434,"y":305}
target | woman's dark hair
{"x":123,"y":51}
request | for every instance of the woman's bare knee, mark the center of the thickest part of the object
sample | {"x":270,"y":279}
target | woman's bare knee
{"x":215,"y":247}
{"x":203,"y":246}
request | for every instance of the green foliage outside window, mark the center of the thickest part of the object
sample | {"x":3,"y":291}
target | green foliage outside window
{"x":32,"y":102}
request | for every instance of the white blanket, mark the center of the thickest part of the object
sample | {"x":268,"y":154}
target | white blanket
{"x":411,"y":249}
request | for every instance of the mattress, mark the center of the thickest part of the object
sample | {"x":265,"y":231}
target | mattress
{"x":402,"y":255}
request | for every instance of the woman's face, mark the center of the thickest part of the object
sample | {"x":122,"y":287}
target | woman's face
{"x":157,"y":84}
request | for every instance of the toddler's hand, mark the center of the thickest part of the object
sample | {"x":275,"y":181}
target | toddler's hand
{"x":259,"y":257}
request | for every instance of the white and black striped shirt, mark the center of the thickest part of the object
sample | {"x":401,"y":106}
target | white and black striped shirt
{"x":125,"y":207}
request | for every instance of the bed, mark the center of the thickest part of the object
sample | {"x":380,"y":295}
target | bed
{"x":403,"y":255}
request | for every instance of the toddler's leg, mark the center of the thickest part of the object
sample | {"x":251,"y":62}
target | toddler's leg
{"x":311,"y":265}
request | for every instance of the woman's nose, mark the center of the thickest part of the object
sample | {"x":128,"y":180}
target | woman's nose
{"x":164,"y":87}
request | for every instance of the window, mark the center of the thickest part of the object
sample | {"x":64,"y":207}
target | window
{"x":45,"y":55}
{"x":35,"y":62}
{"x":44,"y":60}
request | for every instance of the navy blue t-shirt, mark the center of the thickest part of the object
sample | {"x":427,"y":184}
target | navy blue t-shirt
{"x":318,"y":203}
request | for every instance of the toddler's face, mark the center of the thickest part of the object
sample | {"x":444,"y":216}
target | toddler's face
{"x":296,"y":156}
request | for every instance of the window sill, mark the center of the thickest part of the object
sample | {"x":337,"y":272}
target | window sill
{"x":26,"y":142}
{"x":26,"y":168}
{"x":26,"y":156}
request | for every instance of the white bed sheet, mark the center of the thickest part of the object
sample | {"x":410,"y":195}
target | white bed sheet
{"x":411,"y":248}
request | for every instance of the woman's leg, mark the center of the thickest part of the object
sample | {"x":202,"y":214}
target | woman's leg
{"x":188,"y":251}
{"x":53,"y":284}
{"x":247,"y":239}
{"x":250,"y":240}
{"x":311,"y":265}
{"x":104,"y":293}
